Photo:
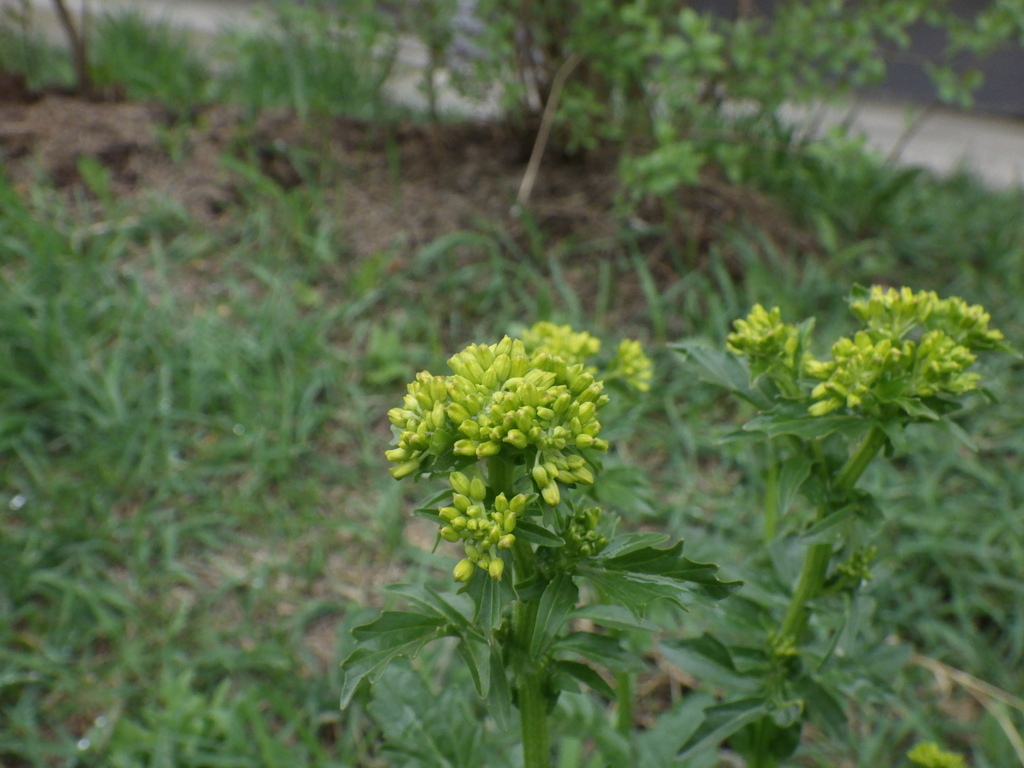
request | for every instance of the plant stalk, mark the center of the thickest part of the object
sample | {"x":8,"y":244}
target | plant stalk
{"x":533,"y":705}
{"x":624,"y":693}
{"x":530,"y":676}
{"x":533,"y":717}
{"x":815,"y":567}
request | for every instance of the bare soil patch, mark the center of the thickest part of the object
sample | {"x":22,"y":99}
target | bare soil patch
{"x":397,"y":184}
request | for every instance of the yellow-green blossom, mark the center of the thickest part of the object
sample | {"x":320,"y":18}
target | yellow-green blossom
{"x":896,"y":313}
{"x":632,"y":366}
{"x":915,"y":345}
{"x":533,"y":409}
{"x":560,"y":341}
{"x":928,"y":754}
{"x":500,"y":399}
{"x":483,"y":529}
{"x":582,"y":538}
{"x":893,"y":312}
{"x":771,"y":347}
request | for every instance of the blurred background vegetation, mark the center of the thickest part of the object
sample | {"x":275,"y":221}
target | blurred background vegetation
{"x":192,"y":411}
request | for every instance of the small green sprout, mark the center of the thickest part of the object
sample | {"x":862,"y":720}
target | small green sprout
{"x":928,"y":754}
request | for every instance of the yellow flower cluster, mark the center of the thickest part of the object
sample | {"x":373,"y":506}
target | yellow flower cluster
{"x":913,"y":345}
{"x":483,"y":530}
{"x":630,"y":364}
{"x":530,"y":403}
{"x":895,"y":313}
{"x":867,"y":371}
{"x":561,"y":341}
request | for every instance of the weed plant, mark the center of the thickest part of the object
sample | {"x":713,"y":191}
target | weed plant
{"x":196,"y":512}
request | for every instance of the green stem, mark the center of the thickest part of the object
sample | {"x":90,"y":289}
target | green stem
{"x":533,"y":704}
{"x":533,"y":717}
{"x":530,"y":676}
{"x":812,"y":578}
{"x":856,"y":464}
{"x":624,"y":693}
{"x":815,"y":567}
{"x":771,"y":495}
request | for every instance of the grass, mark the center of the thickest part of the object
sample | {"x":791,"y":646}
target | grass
{"x":196,"y":507}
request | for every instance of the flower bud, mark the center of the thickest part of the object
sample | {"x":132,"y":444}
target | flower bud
{"x":584,"y":441}
{"x":397,"y":454}
{"x":485,"y":450}
{"x":458,"y":413}
{"x":520,"y":365}
{"x":449,"y":534}
{"x":551,"y":494}
{"x":502,"y":366}
{"x":406,"y":469}
{"x":503,"y":347}
{"x":477,"y":488}
{"x":501,"y":504}
{"x":464,"y":448}
{"x":460,"y":483}
{"x":448,"y":513}
{"x":540,"y":476}
{"x":583,"y":475}
{"x":518,"y":504}
{"x":516,"y":438}
{"x":464,"y":570}
{"x":496,"y":568}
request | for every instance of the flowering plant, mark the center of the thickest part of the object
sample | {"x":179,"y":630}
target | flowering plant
{"x":548,"y":587}
{"x":515,"y":431}
{"x":823,"y":422}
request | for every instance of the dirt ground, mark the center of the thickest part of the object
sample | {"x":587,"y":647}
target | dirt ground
{"x":406,"y":183}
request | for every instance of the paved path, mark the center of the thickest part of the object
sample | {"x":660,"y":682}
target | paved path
{"x":940,"y":139}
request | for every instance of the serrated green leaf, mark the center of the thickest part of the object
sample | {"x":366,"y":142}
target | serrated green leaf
{"x":393,"y":627}
{"x":612,"y":617}
{"x":792,"y":474}
{"x":457,"y":611}
{"x":630,"y":542}
{"x":670,"y":565}
{"x":395,"y":633}
{"x":477,"y":657}
{"x":557,"y":600}
{"x":600,"y":649}
{"x":586,"y":675}
{"x":710,"y":661}
{"x":538,"y":534}
{"x":658,"y":746}
{"x":785,"y":421}
{"x":916,"y":409}
{"x":822,"y":705}
{"x":722,"y":369}
{"x":490,"y":597}
{"x":499,"y":699}
{"x":721,"y":722}
{"x":636,"y":578}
